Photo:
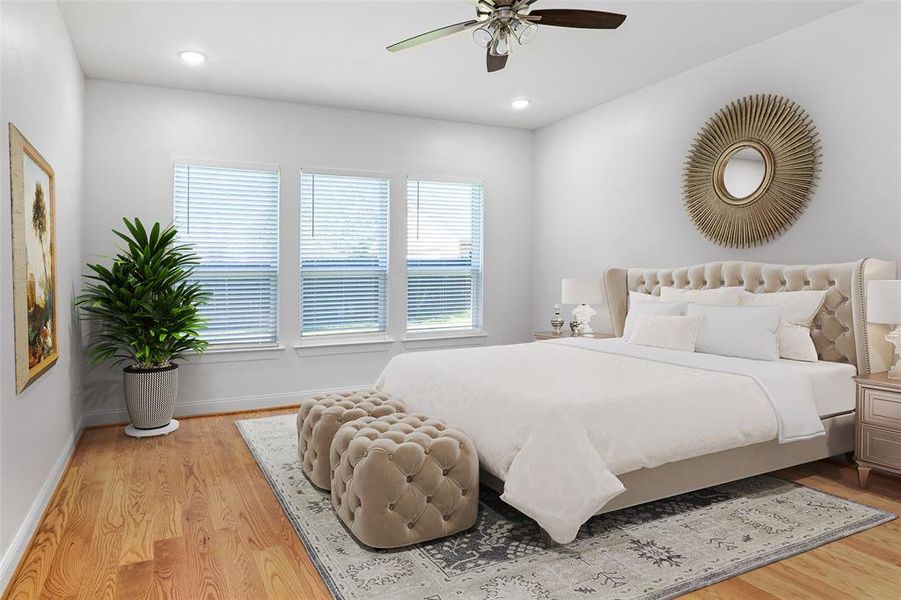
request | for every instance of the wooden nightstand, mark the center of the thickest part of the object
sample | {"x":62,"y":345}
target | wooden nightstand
{"x":878,"y":425}
{"x":550,"y":335}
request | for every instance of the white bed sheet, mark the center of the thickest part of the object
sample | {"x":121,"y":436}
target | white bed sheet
{"x":557,"y":421}
{"x":787,"y":389}
{"x":832,"y":385}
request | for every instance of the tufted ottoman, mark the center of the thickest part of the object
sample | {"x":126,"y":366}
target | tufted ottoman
{"x":403,"y":479}
{"x":322,"y":415}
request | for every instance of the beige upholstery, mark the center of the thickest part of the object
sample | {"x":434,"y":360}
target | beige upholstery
{"x":404,"y":479}
{"x":322,"y":415}
{"x":840,"y":331}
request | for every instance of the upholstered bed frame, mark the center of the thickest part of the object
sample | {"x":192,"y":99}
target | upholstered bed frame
{"x":840,"y":332}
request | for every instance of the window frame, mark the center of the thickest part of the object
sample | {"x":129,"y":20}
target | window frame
{"x":426,"y":338}
{"x":238,"y":350}
{"x":351,"y":341}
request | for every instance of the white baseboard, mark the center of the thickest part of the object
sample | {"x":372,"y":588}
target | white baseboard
{"x":13,"y":555}
{"x":220,"y":405}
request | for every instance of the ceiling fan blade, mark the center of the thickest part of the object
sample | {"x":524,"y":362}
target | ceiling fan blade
{"x":496,"y":63}
{"x":521,"y":4}
{"x":583,"y":19}
{"x":432,"y":35}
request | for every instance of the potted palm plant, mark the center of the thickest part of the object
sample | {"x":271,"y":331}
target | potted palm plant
{"x":146,"y":313}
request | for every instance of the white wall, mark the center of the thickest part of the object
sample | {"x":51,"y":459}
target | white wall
{"x":608,"y":181}
{"x":42,"y":95}
{"x":133,"y":133}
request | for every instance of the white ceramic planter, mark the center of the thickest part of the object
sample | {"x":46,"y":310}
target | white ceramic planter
{"x":150,"y":396}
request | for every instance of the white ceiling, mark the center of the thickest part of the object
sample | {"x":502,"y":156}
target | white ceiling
{"x":333,"y":53}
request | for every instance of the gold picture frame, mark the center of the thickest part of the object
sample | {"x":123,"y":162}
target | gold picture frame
{"x":785,"y":142}
{"x":33,"y":198}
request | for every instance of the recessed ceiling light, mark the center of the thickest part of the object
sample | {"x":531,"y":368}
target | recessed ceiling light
{"x":520,"y":103}
{"x":192,"y":57}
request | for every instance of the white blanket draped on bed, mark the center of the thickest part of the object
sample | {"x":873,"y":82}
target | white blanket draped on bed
{"x":558,"y":420}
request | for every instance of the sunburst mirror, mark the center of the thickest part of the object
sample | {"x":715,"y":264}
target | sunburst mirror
{"x":751,"y":170}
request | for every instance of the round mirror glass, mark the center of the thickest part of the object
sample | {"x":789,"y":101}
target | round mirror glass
{"x":744,"y":172}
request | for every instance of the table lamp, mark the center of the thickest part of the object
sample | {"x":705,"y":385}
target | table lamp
{"x":583,"y":291}
{"x":884,"y":306}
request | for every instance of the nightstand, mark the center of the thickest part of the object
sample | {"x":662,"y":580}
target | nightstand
{"x":550,"y":335}
{"x":878,"y":425}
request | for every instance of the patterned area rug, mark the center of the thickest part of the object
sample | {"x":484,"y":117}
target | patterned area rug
{"x":657,"y":550}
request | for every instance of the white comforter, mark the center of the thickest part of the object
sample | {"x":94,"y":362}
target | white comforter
{"x":558,"y":420}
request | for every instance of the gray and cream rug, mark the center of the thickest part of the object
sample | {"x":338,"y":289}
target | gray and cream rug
{"x":657,"y":550}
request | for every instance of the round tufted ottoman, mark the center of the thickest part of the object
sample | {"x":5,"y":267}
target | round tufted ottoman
{"x":322,"y":415}
{"x":403,"y":479}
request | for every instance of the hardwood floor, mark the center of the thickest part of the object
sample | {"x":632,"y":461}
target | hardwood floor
{"x":191,"y":516}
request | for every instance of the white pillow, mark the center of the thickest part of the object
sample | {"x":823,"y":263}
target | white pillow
{"x":640,"y":297}
{"x":724,"y":296}
{"x":798,"y":310}
{"x":742,"y":331}
{"x":649,"y":308}
{"x":673,"y":332}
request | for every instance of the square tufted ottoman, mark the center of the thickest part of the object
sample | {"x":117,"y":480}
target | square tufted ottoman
{"x":403,"y":479}
{"x":322,"y":415}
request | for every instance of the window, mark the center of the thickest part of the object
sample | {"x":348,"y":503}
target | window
{"x":444,"y":255}
{"x":230,"y":216}
{"x":343,"y":254}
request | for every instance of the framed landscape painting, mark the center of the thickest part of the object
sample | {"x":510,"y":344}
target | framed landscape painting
{"x":33,"y":194}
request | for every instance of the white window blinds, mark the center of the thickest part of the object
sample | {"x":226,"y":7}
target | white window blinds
{"x":343,"y":254}
{"x":444,"y":255}
{"x":230,"y":216}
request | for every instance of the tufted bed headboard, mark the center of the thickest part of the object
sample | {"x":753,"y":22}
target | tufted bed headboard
{"x":840,"y":331}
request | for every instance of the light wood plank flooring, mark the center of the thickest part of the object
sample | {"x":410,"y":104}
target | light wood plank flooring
{"x":191,"y":516}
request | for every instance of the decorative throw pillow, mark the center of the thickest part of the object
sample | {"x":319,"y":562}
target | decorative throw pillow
{"x":798,"y":311}
{"x":724,"y":296}
{"x":673,"y":332}
{"x":742,"y":331}
{"x":640,"y":297}
{"x":649,"y":308}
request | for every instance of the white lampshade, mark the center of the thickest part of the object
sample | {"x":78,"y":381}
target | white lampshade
{"x":583,"y":290}
{"x":884,"y":302}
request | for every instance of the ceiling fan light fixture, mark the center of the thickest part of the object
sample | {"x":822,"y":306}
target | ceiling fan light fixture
{"x":524,"y":31}
{"x":501,"y":44}
{"x":484,"y":35}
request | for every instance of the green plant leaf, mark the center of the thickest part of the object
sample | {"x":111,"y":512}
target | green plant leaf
{"x":145,"y":307}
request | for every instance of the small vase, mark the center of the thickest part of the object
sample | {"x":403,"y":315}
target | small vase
{"x":557,"y":325}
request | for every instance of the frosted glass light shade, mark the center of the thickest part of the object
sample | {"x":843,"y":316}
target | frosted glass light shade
{"x":483,"y":36}
{"x":582,"y":290}
{"x":884,"y":302}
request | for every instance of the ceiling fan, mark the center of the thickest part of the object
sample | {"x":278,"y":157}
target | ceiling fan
{"x":499,"y":22}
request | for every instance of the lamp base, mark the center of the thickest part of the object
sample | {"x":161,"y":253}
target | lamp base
{"x":582,"y":315}
{"x":894,"y":338}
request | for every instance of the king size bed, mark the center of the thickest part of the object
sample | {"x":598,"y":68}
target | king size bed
{"x":569,"y":428}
